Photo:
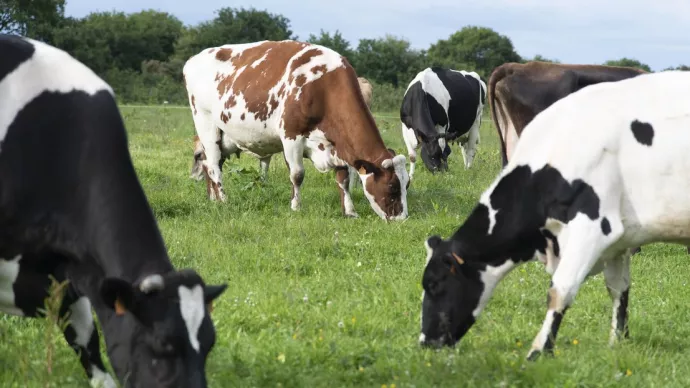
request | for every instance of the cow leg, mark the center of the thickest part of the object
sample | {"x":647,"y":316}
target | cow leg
{"x":294,"y":157}
{"x":353,"y":178}
{"x":617,"y":276}
{"x":469,"y":149}
{"x":82,"y":336}
{"x":584,"y":247}
{"x":412,"y":145}
{"x":209,"y":136}
{"x":264,"y":162}
{"x":342,"y":176}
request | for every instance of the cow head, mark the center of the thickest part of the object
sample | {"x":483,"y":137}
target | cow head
{"x":452,"y":292}
{"x":197,"y":164}
{"x":163,"y":331}
{"x":385,"y":186}
{"x":435,"y":154}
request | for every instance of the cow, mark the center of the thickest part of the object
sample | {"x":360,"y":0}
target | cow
{"x":442,"y":106}
{"x":70,"y":199}
{"x":301,"y":99}
{"x":264,"y":162}
{"x":577,"y":206}
{"x":519,"y":91}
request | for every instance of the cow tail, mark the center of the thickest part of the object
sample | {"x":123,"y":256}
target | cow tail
{"x":498,"y":74}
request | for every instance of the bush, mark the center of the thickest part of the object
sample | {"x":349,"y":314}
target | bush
{"x":386,"y":97}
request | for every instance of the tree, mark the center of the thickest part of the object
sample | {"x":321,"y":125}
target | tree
{"x":540,"y":58}
{"x":32,"y":18}
{"x":628,"y":62}
{"x":681,"y":67}
{"x":233,"y":26}
{"x":473,"y":48}
{"x":335,"y":42}
{"x":115,"y":40}
{"x":388,"y":60}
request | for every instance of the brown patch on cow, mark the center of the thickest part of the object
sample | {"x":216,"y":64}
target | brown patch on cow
{"x":230,"y":102}
{"x":225,"y":117}
{"x":304,"y":59}
{"x":320,"y":68}
{"x":255,"y":82}
{"x":224,"y":54}
{"x":300,"y":80}
{"x":321,"y":147}
{"x":211,"y":50}
{"x":242,"y":117}
{"x":553,"y":300}
{"x":193,"y":105}
{"x":274,"y":103}
{"x":281,"y":91}
{"x":413,"y":158}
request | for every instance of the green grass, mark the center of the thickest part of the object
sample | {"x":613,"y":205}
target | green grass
{"x":317,"y":300}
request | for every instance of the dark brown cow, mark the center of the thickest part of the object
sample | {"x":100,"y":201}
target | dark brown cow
{"x":301,"y":99}
{"x":518,"y":92}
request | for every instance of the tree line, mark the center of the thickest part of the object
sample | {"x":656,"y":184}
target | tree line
{"x":141,"y":54}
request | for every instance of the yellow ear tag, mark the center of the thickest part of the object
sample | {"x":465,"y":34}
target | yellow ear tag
{"x":119,"y":307}
{"x":458,"y":258}
{"x":209,"y":306}
{"x":362,"y":171}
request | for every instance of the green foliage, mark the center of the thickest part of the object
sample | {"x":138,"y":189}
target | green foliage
{"x":335,"y":42}
{"x":232,"y":26}
{"x":540,"y":58}
{"x":628,"y":62}
{"x":681,"y":67}
{"x":388,"y":60}
{"x":115,"y":40}
{"x":386,"y":97}
{"x":32,"y":18}
{"x":473,"y":48}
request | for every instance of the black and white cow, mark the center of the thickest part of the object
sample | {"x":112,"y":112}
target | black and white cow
{"x":442,"y":106}
{"x":71,"y":204}
{"x":579,"y":207}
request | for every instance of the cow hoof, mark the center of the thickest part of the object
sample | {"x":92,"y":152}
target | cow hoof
{"x":352,"y":215}
{"x":295,"y":206}
{"x":533,"y":355}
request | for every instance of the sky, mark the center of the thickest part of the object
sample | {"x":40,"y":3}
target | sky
{"x":574,"y":31}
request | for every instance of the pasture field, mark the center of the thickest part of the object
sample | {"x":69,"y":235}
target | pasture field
{"x":318,"y":300}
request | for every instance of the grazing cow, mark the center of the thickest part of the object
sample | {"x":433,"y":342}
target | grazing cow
{"x":297,"y":98}
{"x":70,"y":200}
{"x":578,"y":206}
{"x":442,"y":106}
{"x":264,"y":162}
{"x":518,"y":92}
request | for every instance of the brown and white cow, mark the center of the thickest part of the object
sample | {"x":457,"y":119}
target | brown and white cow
{"x":518,"y":92}
{"x":198,"y":174}
{"x":301,"y":99}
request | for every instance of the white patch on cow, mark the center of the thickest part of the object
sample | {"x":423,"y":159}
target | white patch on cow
{"x":38,"y":75}
{"x":82,"y":321}
{"x":9,"y":270}
{"x":490,"y":278}
{"x":412,"y":144}
{"x":101,"y":379}
{"x":347,"y":201}
{"x":433,"y":85}
{"x":192,"y":310}
{"x":399,"y":167}
{"x":422,"y":338}
{"x":372,"y":201}
{"x":263,"y":58}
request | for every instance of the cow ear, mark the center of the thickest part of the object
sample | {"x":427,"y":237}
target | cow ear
{"x":211,"y":293}
{"x":364,"y":167}
{"x":118,"y":295}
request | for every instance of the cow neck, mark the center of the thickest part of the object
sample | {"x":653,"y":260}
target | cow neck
{"x":514,"y":241}
{"x":123,"y":234}
{"x":363,"y":140}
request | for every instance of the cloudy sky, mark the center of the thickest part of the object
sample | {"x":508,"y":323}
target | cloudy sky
{"x":583,"y":31}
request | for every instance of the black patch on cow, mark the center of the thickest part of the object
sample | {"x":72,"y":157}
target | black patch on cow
{"x":15,"y":51}
{"x":605,"y":226}
{"x":554,"y":241}
{"x":643,"y":132}
{"x":555,"y":325}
